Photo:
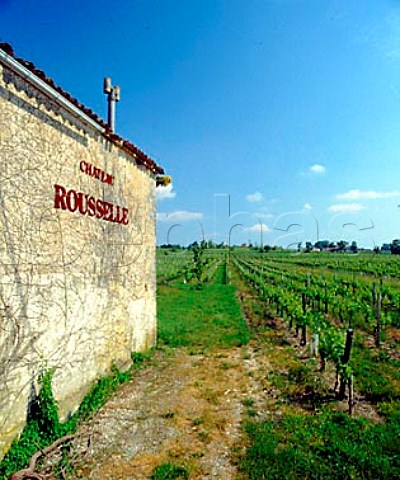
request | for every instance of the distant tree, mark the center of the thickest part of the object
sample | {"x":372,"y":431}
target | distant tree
{"x":342,"y":245}
{"x":395,"y":247}
{"x":309,"y":246}
{"x":175,"y":246}
{"x":322,"y":244}
{"x":353,"y":247}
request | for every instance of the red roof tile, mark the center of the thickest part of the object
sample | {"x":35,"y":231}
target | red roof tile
{"x":140,"y":157}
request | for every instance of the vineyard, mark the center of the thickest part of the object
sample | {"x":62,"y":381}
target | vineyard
{"x":329,"y":326}
{"x":269,"y":365}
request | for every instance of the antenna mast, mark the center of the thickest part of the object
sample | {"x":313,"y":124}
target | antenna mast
{"x":113,"y":96}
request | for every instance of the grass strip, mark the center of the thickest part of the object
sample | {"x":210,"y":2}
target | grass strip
{"x":323,"y":447}
{"x":201,"y":319}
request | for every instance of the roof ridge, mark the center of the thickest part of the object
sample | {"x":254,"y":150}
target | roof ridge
{"x":140,"y":157}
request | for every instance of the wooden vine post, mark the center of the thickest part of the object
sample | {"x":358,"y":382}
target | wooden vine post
{"x":351,"y":394}
{"x":326,"y":301}
{"x":344,"y":362}
{"x":303,"y":340}
{"x":378,"y":308}
{"x":304,"y":302}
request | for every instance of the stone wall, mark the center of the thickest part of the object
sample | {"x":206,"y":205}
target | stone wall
{"x":77,"y":276}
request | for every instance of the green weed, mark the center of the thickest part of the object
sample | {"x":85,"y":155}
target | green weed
{"x":168,"y":471}
{"x":248,"y":402}
{"x":324,"y":447}
{"x":377,"y":376}
{"x":250,"y":412}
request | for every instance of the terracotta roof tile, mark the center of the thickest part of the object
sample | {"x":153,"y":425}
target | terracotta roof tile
{"x":140,"y":157}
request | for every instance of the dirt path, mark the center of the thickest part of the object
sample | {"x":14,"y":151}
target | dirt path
{"x":187,"y":410}
{"x":184,"y":409}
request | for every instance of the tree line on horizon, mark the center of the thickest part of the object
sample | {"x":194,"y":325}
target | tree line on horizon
{"x":341,"y":246}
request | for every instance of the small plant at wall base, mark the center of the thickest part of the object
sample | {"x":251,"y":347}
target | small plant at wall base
{"x":43,"y":426}
{"x":47,"y":409}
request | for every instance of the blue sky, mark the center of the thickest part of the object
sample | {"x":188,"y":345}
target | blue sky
{"x":272,"y":115}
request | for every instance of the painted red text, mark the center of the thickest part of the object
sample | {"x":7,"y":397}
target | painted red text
{"x":86,"y":204}
{"x":95,"y":172}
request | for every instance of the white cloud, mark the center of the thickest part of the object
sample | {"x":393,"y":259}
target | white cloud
{"x":356,"y":194}
{"x":254,"y":197}
{"x":179,"y":216}
{"x":162,"y":193}
{"x":307,"y":206}
{"x":317,"y":168}
{"x":258,"y":228}
{"x":345,"y":208}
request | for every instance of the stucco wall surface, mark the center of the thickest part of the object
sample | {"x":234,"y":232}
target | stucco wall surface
{"x":77,"y":290}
